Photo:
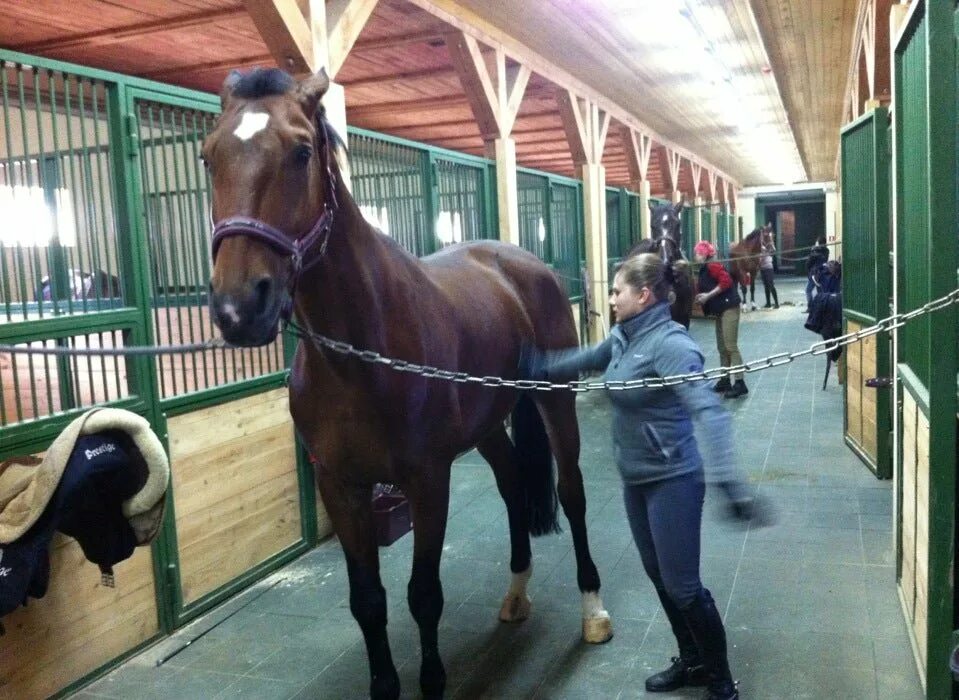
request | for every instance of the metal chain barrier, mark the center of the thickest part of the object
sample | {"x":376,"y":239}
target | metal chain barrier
{"x":343,"y":348}
{"x":579,"y":386}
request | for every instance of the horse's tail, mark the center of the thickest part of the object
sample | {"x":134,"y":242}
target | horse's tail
{"x":536,"y":467}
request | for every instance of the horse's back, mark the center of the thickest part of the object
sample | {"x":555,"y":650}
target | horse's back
{"x":477,"y":272}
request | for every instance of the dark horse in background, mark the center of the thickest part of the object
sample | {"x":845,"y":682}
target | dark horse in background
{"x":289,"y":234}
{"x":744,"y":259}
{"x":666,"y":240}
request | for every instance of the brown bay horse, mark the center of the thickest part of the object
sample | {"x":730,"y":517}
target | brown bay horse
{"x":289,"y":238}
{"x":744,"y":263}
{"x":666,"y":240}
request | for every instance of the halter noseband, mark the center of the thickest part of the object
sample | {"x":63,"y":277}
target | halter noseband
{"x":297,"y":248}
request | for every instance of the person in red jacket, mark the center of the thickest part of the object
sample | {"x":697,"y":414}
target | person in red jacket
{"x":719,"y":298}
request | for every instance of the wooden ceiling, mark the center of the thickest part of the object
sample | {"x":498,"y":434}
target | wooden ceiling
{"x":786,"y":63}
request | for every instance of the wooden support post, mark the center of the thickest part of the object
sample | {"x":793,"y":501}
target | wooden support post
{"x":638,"y":147}
{"x":494,"y":97}
{"x":503,"y":151}
{"x":698,"y":207}
{"x":714,"y":223}
{"x":644,"y":223}
{"x":711,"y":178}
{"x":586,"y":127}
{"x":309,"y":35}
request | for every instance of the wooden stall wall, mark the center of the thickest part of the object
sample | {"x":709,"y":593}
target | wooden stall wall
{"x":235,"y":489}
{"x":862,"y":428}
{"x":914,"y":577}
{"x":79,"y":625}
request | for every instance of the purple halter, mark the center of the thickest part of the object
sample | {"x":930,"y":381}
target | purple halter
{"x":298,"y":249}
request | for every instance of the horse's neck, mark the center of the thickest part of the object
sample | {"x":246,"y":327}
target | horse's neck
{"x":346,"y":294}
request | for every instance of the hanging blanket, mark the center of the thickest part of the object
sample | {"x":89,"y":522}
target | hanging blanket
{"x":103,"y":481}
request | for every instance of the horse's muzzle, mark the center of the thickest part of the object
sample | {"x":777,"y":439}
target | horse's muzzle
{"x":249,"y":321}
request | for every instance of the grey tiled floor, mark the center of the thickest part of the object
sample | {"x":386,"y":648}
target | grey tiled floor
{"x":810,"y":603}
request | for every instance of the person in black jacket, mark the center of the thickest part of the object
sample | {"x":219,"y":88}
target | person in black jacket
{"x":719,"y":299}
{"x":817,"y":258}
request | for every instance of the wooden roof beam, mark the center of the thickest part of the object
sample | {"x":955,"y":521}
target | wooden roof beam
{"x":494,"y":96}
{"x":345,"y":20}
{"x":461,"y":17}
{"x":311,"y":34}
{"x":697,"y":171}
{"x":638,"y":148}
{"x":586,"y":127}
{"x":287,"y":33}
{"x":672,"y":160}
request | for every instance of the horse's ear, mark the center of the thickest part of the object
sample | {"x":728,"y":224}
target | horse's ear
{"x":678,"y":208}
{"x":312,"y":89}
{"x":227,"y":90}
{"x":652,"y":206}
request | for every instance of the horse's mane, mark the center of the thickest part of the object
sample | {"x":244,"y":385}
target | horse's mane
{"x":753,"y":235}
{"x":262,"y":82}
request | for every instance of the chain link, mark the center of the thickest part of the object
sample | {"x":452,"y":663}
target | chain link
{"x":579,"y":386}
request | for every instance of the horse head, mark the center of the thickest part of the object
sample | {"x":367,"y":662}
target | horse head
{"x":666,"y":229}
{"x":273,"y":197}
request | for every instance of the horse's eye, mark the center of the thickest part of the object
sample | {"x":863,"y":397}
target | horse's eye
{"x":302,"y":154}
{"x":206,"y":163}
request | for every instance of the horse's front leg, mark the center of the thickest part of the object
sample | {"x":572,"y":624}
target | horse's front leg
{"x":351,"y":511}
{"x":429,"y":496}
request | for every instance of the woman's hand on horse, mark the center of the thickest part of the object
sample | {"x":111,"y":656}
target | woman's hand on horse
{"x":531,"y":363}
{"x":701,"y":298}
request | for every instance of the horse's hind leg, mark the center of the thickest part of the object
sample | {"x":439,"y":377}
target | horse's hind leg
{"x":497,"y":449}
{"x":559,"y":415}
{"x":351,"y":512}
{"x":429,"y":498}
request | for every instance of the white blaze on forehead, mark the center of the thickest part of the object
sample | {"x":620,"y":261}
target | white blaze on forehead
{"x":251,"y":124}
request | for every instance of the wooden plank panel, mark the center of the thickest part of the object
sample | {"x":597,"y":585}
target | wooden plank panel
{"x":870,"y":439}
{"x":229,"y":467}
{"x":79,"y":625}
{"x":236,"y":489}
{"x":908,"y":563}
{"x":229,"y":552}
{"x":921,"y":625}
{"x":854,"y":420}
{"x":870,"y":425}
{"x":922,"y":534}
{"x":227,"y":422}
{"x":250,"y":497}
{"x":853,"y":387}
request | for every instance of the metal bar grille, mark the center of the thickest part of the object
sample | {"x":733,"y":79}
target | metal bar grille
{"x":176,"y":215}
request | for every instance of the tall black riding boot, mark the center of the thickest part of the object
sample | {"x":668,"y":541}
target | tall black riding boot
{"x":705,"y":623}
{"x":687,"y":668}
{"x":775,"y":298}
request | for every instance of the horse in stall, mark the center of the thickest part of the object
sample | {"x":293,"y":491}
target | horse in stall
{"x":667,"y":242}
{"x":289,"y":238}
{"x":744,"y":264}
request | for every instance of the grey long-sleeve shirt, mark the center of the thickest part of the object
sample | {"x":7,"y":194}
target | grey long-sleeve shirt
{"x":653,"y":433}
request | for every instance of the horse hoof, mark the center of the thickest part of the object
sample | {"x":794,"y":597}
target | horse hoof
{"x":597,"y":630}
{"x":515,"y":608}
